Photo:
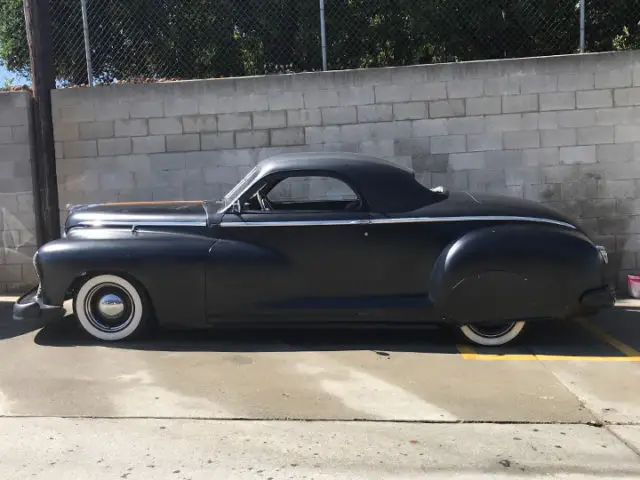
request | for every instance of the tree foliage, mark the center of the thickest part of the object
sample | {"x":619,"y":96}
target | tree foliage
{"x":211,"y":38}
{"x":14,"y":52}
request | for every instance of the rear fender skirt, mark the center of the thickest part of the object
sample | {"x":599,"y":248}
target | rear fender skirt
{"x":491,"y":295}
{"x":514,"y":272}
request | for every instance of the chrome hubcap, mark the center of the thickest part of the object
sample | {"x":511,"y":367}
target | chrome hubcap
{"x":111,"y":306}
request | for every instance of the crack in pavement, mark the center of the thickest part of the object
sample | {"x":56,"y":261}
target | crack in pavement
{"x":603,"y":424}
{"x":623,"y":440}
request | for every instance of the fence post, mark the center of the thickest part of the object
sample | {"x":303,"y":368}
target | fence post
{"x":323,"y":36}
{"x":87,"y":45}
{"x":582,"y":7}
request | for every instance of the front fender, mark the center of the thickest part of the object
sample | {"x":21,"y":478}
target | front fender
{"x":512,"y":272}
{"x":169,"y":267}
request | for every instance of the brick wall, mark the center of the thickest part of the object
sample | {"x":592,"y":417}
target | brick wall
{"x":562,"y":130}
{"x":17,"y":220}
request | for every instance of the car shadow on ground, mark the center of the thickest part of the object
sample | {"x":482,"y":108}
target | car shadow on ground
{"x":66,"y":333}
{"x":10,"y":328}
{"x":597,"y":337}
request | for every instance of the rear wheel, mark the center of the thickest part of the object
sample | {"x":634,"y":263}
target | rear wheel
{"x":111,"y":308}
{"x":493,"y":334}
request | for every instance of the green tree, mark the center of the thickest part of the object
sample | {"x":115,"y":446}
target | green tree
{"x":14,"y":51}
{"x":145,"y":38}
{"x":612,"y":25}
{"x":184,"y":39}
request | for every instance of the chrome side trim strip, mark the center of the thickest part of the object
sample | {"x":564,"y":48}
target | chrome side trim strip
{"x":118,"y":223}
{"x":296,"y":223}
{"x":486,"y":218}
{"x":312,"y":223}
{"x":379,"y":221}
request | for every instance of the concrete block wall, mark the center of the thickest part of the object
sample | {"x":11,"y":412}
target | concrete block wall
{"x":561,"y":130}
{"x":17,"y":219}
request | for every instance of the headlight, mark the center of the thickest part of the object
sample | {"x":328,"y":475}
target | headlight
{"x":603,"y":253}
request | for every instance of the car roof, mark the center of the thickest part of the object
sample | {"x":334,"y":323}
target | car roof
{"x":387,"y":187}
{"x":336,"y":161}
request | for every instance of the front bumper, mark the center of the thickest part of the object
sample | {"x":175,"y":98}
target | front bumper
{"x":31,"y":307}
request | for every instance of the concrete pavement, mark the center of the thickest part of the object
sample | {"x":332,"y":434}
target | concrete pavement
{"x":225,"y":392}
{"x":57,"y":372}
{"x":187,"y":449}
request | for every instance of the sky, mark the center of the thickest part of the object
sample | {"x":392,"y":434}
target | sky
{"x":6,"y":75}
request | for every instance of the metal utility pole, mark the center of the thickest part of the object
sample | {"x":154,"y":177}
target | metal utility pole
{"x":582,"y":7}
{"x":87,"y":44}
{"x":38,"y":25}
{"x":323,"y":37}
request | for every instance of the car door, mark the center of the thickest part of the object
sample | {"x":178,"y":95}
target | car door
{"x":307,"y":256}
{"x":407,"y":250}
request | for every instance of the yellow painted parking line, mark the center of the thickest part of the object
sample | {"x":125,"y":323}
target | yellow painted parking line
{"x":579,"y":358}
{"x":631,"y":355}
{"x":607,"y":338}
{"x":469,"y":353}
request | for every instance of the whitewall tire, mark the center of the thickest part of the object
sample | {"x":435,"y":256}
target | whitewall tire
{"x":493,"y":336}
{"x":110,"y":308}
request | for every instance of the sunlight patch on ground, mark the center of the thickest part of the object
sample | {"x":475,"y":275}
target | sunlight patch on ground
{"x":366,"y":393}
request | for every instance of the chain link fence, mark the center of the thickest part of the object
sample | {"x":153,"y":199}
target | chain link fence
{"x":143,"y":40}
{"x":403,"y":32}
{"x":152,"y":40}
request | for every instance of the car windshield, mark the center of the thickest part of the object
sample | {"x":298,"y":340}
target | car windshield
{"x":244,"y":183}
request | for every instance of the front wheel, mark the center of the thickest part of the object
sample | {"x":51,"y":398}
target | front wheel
{"x":493,"y":335}
{"x":111,"y":308}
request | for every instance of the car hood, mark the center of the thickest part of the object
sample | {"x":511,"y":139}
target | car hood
{"x":180,"y":213}
{"x":468,"y":204}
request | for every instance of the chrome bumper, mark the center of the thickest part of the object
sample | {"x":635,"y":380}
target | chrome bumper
{"x":31,"y":307}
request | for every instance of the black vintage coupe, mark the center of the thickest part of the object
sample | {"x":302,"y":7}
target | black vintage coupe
{"x":319,"y":238}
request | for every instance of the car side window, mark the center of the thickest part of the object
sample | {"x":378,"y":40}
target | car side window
{"x":311,"y":193}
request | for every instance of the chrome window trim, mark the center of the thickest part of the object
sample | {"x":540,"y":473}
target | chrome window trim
{"x":225,"y":208}
{"x":383,"y":221}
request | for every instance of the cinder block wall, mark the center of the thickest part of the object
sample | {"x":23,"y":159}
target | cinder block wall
{"x":561,"y":130}
{"x":17,"y":220}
